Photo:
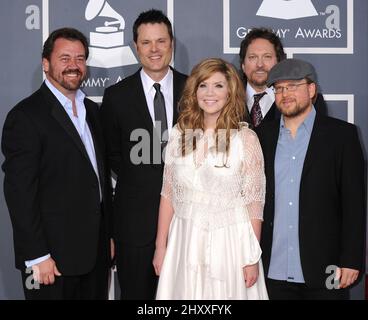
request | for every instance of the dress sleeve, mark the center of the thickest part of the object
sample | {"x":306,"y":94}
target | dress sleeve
{"x":254,"y":181}
{"x":171,"y":156}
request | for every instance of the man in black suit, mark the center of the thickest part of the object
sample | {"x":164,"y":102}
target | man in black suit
{"x":314,"y":215}
{"x":136,"y":113}
{"x":56,"y":185}
{"x":260,"y":50}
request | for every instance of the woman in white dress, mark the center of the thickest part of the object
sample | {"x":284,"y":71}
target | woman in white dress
{"x":211,"y":209}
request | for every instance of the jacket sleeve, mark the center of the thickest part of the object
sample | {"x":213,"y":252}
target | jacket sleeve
{"x":352,"y":202}
{"x":22,"y":147}
{"x":111,"y":131}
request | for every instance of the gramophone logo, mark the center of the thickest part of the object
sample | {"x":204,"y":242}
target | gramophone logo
{"x":287,"y":9}
{"x":107,"y":48}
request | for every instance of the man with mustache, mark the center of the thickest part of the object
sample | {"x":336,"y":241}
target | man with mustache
{"x":260,"y":50}
{"x":56,"y":185}
{"x":314,"y":217}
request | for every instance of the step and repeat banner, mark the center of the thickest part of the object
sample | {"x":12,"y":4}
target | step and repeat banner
{"x":331,"y":34}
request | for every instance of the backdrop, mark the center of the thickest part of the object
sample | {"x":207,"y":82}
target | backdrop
{"x":331,"y":34}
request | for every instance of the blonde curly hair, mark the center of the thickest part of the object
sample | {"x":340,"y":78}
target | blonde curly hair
{"x":191,"y":116}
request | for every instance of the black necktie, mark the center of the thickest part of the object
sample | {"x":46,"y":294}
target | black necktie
{"x":255,"y":112}
{"x":160,"y":111}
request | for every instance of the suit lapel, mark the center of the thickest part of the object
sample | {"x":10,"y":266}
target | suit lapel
{"x":140,"y":101}
{"x":140,"y":98}
{"x":315,"y":144}
{"x":272,"y":114}
{"x":60,"y":115}
{"x":91,"y":121}
{"x":141,"y":104}
{"x":271,"y":152}
{"x":176,"y":96}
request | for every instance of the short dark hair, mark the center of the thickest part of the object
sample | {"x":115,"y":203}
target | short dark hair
{"x":151,"y":16}
{"x":64,"y":33}
{"x":263,"y":33}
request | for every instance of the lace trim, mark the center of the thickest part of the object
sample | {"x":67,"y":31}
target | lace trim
{"x":215,"y":196}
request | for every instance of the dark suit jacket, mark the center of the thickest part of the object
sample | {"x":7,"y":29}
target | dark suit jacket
{"x":331,"y":198}
{"x":274,"y":113}
{"x":50,"y":186}
{"x":137,"y":194}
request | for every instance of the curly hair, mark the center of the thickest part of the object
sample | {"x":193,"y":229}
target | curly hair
{"x":191,"y":116}
{"x":262,"y":33}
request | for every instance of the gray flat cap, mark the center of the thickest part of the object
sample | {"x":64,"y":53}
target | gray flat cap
{"x":291,"y":69}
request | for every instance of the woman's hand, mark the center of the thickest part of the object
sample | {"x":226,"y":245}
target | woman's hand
{"x":158,"y":259}
{"x":250,"y":274}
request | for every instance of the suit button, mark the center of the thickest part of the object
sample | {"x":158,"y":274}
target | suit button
{"x":271,"y":224}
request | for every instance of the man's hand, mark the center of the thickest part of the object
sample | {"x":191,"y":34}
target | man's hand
{"x":347,"y":277}
{"x":250,"y":274}
{"x":45,"y":272}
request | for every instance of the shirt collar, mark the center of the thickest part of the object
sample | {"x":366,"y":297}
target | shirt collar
{"x":307,"y":123}
{"x":148,"y":82}
{"x":61,"y":98}
{"x":250,"y":92}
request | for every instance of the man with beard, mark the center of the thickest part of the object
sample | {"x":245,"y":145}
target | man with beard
{"x":260,"y":50}
{"x":56,"y":185}
{"x":314,"y":212}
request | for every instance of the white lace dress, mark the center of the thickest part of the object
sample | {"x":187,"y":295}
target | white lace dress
{"x":211,"y":237}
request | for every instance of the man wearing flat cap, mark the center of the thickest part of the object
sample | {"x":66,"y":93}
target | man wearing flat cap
{"x":314,"y":215}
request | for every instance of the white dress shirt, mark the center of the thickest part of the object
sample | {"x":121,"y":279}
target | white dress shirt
{"x":265,"y":103}
{"x":167,"y":89}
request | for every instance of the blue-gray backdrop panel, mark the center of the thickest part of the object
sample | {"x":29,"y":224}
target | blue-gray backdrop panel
{"x":331,"y":34}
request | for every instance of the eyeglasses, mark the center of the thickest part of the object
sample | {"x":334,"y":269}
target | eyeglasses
{"x":291,"y":87}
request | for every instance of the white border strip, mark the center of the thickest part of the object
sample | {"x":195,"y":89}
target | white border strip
{"x":97,"y":99}
{"x":170,"y":11}
{"x":170,"y":15}
{"x":45,"y":20}
{"x":112,"y":284}
{"x":226,"y":18}
{"x":291,"y":50}
{"x":349,"y":98}
{"x":45,"y":25}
